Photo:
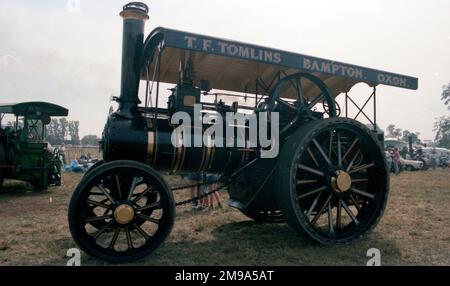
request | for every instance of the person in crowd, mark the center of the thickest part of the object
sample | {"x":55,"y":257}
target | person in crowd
{"x":396,"y":161}
{"x":62,"y":153}
{"x":211,"y":184}
{"x":434,"y":159}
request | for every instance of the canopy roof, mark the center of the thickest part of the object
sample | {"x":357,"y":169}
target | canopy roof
{"x":34,"y":108}
{"x":235,"y":66}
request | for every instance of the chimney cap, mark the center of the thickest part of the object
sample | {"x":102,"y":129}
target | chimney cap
{"x":136,"y":6}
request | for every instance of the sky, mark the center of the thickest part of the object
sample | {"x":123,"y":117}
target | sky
{"x":69,"y":51}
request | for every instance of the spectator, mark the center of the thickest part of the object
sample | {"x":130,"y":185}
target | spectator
{"x":434,"y":159}
{"x":404,"y":152}
{"x":209,"y":180}
{"x":62,"y":153}
{"x":397,"y":161}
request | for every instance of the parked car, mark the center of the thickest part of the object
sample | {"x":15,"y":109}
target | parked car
{"x":411,"y":165}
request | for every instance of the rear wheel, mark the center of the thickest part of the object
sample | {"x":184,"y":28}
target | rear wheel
{"x":333,"y":181}
{"x":109,"y":217}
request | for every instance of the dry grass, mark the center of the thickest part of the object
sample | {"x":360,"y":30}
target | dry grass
{"x":413,"y":231}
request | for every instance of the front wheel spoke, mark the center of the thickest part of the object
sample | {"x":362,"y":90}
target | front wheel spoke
{"x":154,"y":220}
{"x":330,"y":218}
{"x":311,"y":192}
{"x":119,"y":192}
{"x":102,"y":230}
{"x":319,"y":213}
{"x":97,"y":218}
{"x":132,"y":187}
{"x":361,"y":168}
{"x":96,"y":203}
{"x":114,"y":238}
{"x":152,"y":206}
{"x":349,"y":212}
{"x":311,"y":170}
{"x":363,"y":193}
{"x":141,"y":195}
{"x":128,"y":235}
{"x":321,"y":151}
{"x":141,"y":231}
{"x":106,"y":193}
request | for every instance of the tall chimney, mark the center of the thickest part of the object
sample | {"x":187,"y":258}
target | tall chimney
{"x":134,"y":15}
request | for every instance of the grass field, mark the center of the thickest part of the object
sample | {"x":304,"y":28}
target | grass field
{"x":414,"y":231}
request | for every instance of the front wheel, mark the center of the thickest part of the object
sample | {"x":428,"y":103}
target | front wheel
{"x":114,"y":196}
{"x":333,"y":180}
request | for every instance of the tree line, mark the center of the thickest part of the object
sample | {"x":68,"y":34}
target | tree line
{"x":65,"y":131}
{"x":61,"y":130}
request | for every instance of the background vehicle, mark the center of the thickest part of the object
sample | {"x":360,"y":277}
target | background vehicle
{"x":411,"y":165}
{"x":24,"y":153}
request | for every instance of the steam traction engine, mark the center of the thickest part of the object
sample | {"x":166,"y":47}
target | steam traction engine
{"x":329,"y":180}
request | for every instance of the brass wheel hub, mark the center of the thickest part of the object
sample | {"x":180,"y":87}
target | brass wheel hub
{"x":123,"y":214}
{"x":341,"y":182}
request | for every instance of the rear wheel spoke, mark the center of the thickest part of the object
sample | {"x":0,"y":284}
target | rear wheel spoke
{"x":330,"y":148}
{"x":350,"y":149}
{"x":330,"y":218}
{"x":361,"y":168}
{"x":319,"y":213}
{"x":311,"y":192}
{"x":363,"y":193}
{"x":338,"y":215}
{"x":312,"y":157}
{"x":349,"y":212}
{"x":339,"y":150}
{"x":362,"y":180}
{"x":355,"y":203}
{"x":311,"y":170}
{"x":313,"y":205}
{"x":303,"y":182}
{"x":325,"y":157}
